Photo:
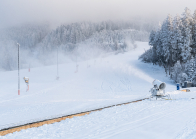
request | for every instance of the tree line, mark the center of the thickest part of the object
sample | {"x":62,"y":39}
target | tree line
{"x":71,"y":34}
{"x":39,"y":42}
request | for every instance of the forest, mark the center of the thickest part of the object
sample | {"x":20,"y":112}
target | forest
{"x":174,"y":47}
{"x":39,"y":43}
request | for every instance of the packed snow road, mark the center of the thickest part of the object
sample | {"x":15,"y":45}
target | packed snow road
{"x":109,"y":80}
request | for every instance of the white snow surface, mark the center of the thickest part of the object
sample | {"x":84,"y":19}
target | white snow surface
{"x":110,"y":79}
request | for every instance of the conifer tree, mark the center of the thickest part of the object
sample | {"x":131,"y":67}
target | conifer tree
{"x":166,"y":32}
{"x":176,"y":40}
{"x":190,"y":69}
{"x":187,"y":36}
{"x":177,"y":70}
{"x":194,"y":34}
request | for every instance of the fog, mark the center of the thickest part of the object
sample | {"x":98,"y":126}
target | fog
{"x":56,"y":12}
{"x":33,"y":24}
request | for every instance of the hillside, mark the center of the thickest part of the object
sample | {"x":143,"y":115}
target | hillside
{"x":104,"y":81}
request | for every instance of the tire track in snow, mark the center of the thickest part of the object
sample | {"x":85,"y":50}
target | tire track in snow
{"x":135,"y":112}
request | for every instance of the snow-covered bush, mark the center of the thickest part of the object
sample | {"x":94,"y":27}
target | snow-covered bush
{"x":184,"y":77}
{"x":147,"y":56}
{"x":176,"y":72}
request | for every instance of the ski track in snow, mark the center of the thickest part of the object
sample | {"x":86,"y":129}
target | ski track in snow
{"x":144,"y":120}
{"x":109,"y":122}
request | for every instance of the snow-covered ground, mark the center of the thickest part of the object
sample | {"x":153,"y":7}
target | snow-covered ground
{"x":110,"y":79}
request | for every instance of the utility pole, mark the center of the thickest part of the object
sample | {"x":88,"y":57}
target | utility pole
{"x":18,"y":68}
{"x":76,"y":60}
{"x":57,"y":65}
{"x":29,"y":68}
{"x":76,"y":64}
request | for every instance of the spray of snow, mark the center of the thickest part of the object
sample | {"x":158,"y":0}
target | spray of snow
{"x":134,"y":71}
{"x":140,"y":74}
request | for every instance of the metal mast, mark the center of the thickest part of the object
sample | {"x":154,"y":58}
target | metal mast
{"x":18,"y":68}
{"x":57,"y":65}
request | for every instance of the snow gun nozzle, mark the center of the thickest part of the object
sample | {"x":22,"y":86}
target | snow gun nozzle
{"x":159,"y":84}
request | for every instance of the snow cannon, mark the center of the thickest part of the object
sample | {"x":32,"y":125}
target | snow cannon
{"x":158,"y":89}
{"x":159,"y":84}
{"x":26,"y":79}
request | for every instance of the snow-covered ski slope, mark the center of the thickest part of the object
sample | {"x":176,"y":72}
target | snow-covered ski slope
{"x":110,"y":79}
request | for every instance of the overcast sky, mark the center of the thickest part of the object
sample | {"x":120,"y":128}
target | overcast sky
{"x":55,"y":12}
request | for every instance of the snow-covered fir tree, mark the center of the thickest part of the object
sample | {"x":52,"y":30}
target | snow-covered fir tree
{"x":152,"y":42}
{"x":191,"y":68}
{"x":177,"y":70}
{"x":176,"y":38}
{"x":166,"y":40}
{"x":194,"y":34}
{"x":187,"y":36}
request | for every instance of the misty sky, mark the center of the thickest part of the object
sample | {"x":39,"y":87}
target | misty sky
{"x":55,"y":12}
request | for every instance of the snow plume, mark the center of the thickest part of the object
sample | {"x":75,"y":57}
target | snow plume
{"x":140,"y":74}
{"x":136,"y":72}
{"x":28,"y":58}
{"x":84,"y":52}
{"x":130,"y":44}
